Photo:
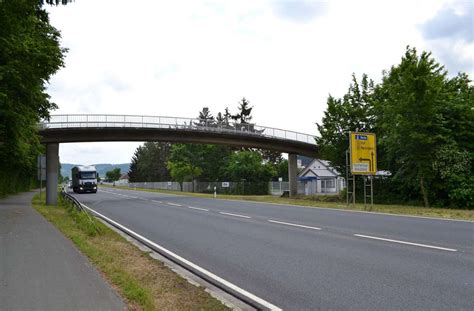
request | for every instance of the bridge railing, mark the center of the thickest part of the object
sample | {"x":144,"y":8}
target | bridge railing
{"x":137,"y":121}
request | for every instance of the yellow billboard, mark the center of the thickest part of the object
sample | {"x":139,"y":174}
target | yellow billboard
{"x":363,"y":153}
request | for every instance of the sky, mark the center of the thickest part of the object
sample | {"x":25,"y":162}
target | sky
{"x":172,"y":58}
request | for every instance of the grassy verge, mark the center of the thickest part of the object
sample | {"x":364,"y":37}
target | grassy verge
{"x":145,"y":283}
{"x":447,"y":213}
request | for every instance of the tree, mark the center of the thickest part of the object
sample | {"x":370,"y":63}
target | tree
{"x":114,"y":174}
{"x":181,"y":172}
{"x":205,"y":117}
{"x":244,"y":114}
{"x":149,"y":163}
{"x":249,"y":166}
{"x":424,"y":120}
{"x":352,"y":112}
{"x":29,"y":54}
{"x":184,"y":162}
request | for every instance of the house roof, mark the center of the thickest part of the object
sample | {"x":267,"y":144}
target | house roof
{"x":319,"y":168}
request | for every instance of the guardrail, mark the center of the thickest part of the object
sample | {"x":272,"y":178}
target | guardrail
{"x":138,"y":121}
{"x":248,"y":299}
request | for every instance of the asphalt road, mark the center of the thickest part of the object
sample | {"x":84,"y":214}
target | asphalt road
{"x":307,"y":259}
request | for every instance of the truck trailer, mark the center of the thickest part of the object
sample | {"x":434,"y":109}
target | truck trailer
{"x":84,"y":179}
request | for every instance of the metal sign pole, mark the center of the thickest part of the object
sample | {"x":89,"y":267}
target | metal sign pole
{"x":347,"y":178}
{"x":365,"y":191}
{"x":371,"y":192}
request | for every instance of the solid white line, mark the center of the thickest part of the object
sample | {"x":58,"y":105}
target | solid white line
{"x":404,"y":242}
{"x":198,"y":208}
{"x":192,"y":265}
{"x":236,"y":215}
{"x":295,"y":225}
{"x":174,"y":204}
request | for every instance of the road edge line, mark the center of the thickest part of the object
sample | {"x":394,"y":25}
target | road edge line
{"x":167,"y":253}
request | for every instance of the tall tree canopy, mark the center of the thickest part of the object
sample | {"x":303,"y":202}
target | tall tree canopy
{"x":29,"y":54}
{"x":149,"y":162}
{"x":423,"y":120}
{"x":352,"y":112}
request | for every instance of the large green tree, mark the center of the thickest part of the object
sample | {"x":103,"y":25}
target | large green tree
{"x":30,"y":54}
{"x":424,"y":122}
{"x":114,"y":174}
{"x":249,"y":166}
{"x":185,"y":162}
{"x":353,"y":112}
{"x":149,"y":162}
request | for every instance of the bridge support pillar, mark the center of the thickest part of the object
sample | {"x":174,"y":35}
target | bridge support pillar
{"x":52,"y":169}
{"x":293,"y":173}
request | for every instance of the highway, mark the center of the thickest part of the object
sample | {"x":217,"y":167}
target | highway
{"x":301,"y":258}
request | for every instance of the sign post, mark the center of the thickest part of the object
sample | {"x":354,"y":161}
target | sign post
{"x":41,"y":166}
{"x":363,"y":161}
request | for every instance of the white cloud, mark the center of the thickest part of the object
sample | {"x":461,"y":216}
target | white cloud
{"x":175,"y":57}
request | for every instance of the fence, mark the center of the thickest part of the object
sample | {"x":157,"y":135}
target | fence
{"x":237,"y":188}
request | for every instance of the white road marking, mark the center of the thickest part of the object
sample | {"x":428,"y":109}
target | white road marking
{"x":294,"y":225}
{"x":198,"y":208}
{"x":236,"y":215}
{"x":192,"y":265}
{"x":407,"y":243}
{"x":157,"y":201}
{"x":174,"y":204}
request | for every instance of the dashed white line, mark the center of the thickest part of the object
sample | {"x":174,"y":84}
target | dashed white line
{"x":236,"y":215}
{"x":198,"y":208}
{"x":407,"y":243}
{"x":157,"y":201}
{"x":294,"y":225}
{"x":174,"y":204}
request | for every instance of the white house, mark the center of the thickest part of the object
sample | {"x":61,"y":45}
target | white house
{"x":319,"y":177}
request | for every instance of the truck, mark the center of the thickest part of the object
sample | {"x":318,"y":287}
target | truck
{"x":84,"y":179}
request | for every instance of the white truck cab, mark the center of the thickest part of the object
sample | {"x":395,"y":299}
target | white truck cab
{"x":84,"y":179}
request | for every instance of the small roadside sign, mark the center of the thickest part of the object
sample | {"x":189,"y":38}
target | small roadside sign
{"x":363,"y":153}
{"x":225,"y":184}
{"x":41,"y":167}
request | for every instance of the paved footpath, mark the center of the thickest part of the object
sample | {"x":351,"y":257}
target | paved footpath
{"x":40,"y":269}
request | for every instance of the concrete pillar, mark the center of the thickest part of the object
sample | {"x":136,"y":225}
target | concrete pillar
{"x":292,"y":174}
{"x":52,"y":168}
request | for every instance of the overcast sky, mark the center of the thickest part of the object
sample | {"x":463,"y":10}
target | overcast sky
{"x":171,"y":58}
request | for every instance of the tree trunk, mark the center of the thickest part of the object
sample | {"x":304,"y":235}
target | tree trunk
{"x":423,"y":192}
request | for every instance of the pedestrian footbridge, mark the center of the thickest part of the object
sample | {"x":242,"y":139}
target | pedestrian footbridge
{"x":103,"y":127}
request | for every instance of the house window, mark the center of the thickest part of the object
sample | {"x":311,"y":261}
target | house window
{"x":329,"y":183}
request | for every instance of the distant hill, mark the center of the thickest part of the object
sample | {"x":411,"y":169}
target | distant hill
{"x":101,"y":168}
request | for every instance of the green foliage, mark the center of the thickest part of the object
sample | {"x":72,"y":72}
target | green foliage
{"x":184,"y":162}
{"x":114,"y":174}
{"x":249,"y":166}
{"x":29,"y":55}
{"x":423,"y":121}
{"x":149,"y":162}
{"x":353,"y":112}
{"x":89,"y":225}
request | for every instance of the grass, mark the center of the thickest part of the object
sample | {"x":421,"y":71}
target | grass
{"x":325,"y":202}
{"x":143,"y":282}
